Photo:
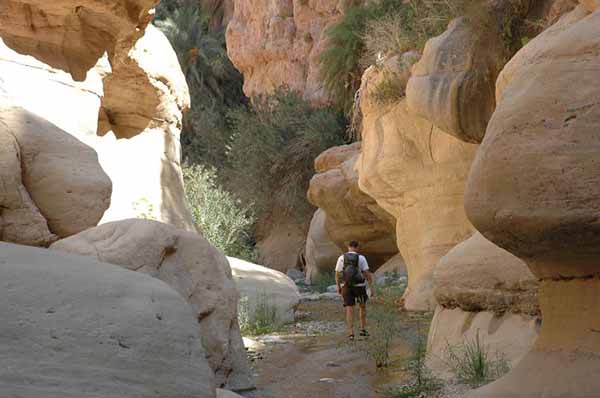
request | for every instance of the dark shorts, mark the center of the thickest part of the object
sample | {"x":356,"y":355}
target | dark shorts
{"x":353,"y":295}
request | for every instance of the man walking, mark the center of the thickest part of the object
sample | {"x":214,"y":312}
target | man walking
{"x":350,"y":273}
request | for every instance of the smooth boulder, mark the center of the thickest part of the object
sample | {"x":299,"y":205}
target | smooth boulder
{"x":73,"y":327}
{"x":191,"y":266}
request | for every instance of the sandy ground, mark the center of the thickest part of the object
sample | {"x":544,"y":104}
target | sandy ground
{"x":323,"y":366}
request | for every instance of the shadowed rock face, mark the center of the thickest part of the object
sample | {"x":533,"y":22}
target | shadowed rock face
{"x":191,"y":266}
{"x":349,"y":213}
{"x":417,"y":173}
{"x":533,"y":191}
{"x":72,"y":326}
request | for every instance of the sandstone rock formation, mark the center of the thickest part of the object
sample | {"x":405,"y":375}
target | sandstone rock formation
{"x":453,"y":83}
{"x":532,"y":191}
{"x":417,"y":173}
{"x":395,"y":265}
{"x":349,"y":213}
{"x":487,"y":293}
{"x":280,"y":238}
{"x":59,"y":182}
{"x":278,"y":43}
{"x":73,"y":327}
{"x":261,"y":285}
{"x":144,"y":97}
{"x":191,"y":266}
{"x":321,"y":253}
{"x":73,"y":34}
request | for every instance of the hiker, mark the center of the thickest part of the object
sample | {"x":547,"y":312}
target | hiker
{"x":350,"y":273}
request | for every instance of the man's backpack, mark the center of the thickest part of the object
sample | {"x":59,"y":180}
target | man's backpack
{"x":352,"y":275}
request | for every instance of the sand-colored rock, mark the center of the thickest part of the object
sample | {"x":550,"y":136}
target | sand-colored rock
{"x":74,"y":327}
{"x":278,"y":43}
{"x":349,"y":213}
{"x":262,"y":285}
{"x":477,"y":275}
{"x":20,"y":219}
{"x":61,"y":174}
{"x":145,"y":170}
{"x":73,"y":34}
{"x":191,"y":266}
{"x":507,"y":335}
{"x":226,"y":394}
{"x":532,"y":191}
{"x":280,"y":239}
{"x":321,"y":252}
{"x":395,"y":265}
{"x":417,"y":173}
{"x":453,"y":83}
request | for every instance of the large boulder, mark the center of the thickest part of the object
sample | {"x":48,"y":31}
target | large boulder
{"x":280,"y":238}
{"x":74,"y":327}
{"x":191,"y":266}
{"x":20,"y":219}
{"x":453,"y":83}
{"x":417,"y":173}
{"x":61,"y":175}
{"x":349,"y":213}
{"x":264,"y":286}
{"x":533,"y":190}
{"x":278,"y":43}
{"x":142,"y":98}
{"x":321,"y":252}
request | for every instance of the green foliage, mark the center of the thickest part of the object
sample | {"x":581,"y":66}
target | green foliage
{"x":263,"y":320}
{"x":474,"y":364}
{"x":389,"y":90}
{"x":422,"y":383}
{"x":215,"y":84}
{"x":273,"y":145}
{"x":323,"y":280}
{"x":222,"y":219}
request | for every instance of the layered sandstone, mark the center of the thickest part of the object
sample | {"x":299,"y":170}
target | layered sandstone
{"x":349,"y":213}
{"x":417,"y":173}
{"x":532,"y":191}
{"x":191,"y":266}
{"x":142,"y":99}
{"x":278,"y":43}
{"x":72,"y":326}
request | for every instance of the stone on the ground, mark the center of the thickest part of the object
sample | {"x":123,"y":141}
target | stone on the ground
{"x":191,"y":266}
{"x":74,"y":327}
{"x":226,"y":394}
{"x":321,"y":252}
{"x":61,"y":174}
{"x":265,"y":286}
{"x":296,"y":275}
{"x":533,"y":190}
{"x":417,"y":173}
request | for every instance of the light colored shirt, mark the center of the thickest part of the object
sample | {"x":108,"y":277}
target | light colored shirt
{"x":362,"y":264}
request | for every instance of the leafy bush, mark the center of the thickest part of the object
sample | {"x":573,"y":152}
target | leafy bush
{"x":263,"y":320}
{"x":272,"y":149}
{"x":223,"y":220}
{"x":474,"y":364}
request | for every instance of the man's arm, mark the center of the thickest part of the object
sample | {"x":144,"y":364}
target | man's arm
{"x":369,"y":277}
{"x":338,"y":282}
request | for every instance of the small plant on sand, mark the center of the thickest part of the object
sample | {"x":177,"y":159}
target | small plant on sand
{"x":473,"y":363}
{"x":323,"y":280}
{"x":262,"y":319}
{"x":422,"y":383}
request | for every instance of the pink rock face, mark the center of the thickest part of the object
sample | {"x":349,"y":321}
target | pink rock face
{"x":533,"y":190}
{"x":277,"y":43}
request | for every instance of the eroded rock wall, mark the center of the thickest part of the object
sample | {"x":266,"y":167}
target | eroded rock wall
{"x":277,"y":43}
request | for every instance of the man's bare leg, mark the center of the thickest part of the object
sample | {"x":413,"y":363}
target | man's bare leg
{"x":363,"y":316}
{"x":350,"y":320}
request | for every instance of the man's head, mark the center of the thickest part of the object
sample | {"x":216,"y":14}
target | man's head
{"x":353,"y":245}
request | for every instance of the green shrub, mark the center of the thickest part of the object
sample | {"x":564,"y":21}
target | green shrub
{"x":272,"y":149}
{"x":222,"y":219}
{"x":474,"y":364}
{"x":263,"y":320}
{"x":323,"y":280}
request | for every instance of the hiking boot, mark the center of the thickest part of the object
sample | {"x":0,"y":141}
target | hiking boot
{"x":350,"y":337}
{"x":364,"y":333}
